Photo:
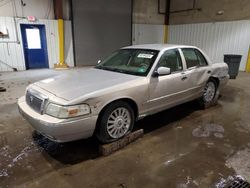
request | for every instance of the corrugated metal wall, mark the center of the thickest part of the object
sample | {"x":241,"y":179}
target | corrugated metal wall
{"x":11,"y":52}
{"x":215,"y":39}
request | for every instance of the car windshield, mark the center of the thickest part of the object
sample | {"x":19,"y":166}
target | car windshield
{"x":130,"y":61}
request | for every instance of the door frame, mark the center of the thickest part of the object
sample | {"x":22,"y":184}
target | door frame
{"x":42,"y":30}
{"x":169,"y":99}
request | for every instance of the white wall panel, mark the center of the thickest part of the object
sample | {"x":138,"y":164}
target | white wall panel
{"x":146,"y":34}
{"x":39,"y":8}
{"x":68,"y":51}
{"x":11,"y":52}
{"x":216,"y":39}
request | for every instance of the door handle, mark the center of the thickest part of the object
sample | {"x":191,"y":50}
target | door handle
{"x":209,"y":71}
{"x":184,"y":78}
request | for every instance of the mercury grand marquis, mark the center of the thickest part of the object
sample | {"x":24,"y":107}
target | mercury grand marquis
{"x":134,"y":82}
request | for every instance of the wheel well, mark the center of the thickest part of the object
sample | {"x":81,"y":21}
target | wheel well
{"x":216,"y":80}
{"x":132,"y":104}
{"x":127,"y":100}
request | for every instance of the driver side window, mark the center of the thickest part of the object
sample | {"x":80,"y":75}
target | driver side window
{"x":171,"y":59}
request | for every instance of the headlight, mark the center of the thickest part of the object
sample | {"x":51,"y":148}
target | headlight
{"x":67,"y":111}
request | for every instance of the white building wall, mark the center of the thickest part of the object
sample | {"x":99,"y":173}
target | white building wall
{"x":68,"y":44}
{"x":146,"y":34}
{"x":11,"y":51}
{"x":216,"y":39}
{"x":42,"y":9}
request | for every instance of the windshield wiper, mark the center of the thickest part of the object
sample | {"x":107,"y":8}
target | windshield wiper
{"x":110,"y":69}
{"x":102,"y":67}
{"x":118,"y":70}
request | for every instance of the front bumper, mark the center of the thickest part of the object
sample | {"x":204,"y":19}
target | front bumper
{"x":59,"y":130}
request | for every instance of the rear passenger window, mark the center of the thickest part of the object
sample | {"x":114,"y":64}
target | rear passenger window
{"x":202,"y":60}
{"x":193,"y":57}
{"x":190,"y":57}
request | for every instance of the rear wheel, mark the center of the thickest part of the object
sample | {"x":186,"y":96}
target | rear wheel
{"x":116,"y":121}
{"x":209,"y":96}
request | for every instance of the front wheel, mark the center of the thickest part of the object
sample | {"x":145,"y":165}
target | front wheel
{"x":209,"y":96}
{"x":115,"y":122}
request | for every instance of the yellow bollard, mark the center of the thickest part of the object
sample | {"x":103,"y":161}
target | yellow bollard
{"x":248,"y":62}
{"x":61,"y":63}
{"x":165,"y":40}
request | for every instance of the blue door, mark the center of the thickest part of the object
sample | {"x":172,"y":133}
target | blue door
{"x":34,"y":46}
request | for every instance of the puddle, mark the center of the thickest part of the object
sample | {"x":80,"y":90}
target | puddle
{"x":242,"y":127}
{"x":180,"y":155}
{"x":9,"y":160}
{"x":208,"y":130}
{"x":189,"y":183}
{"x":3,"y":173}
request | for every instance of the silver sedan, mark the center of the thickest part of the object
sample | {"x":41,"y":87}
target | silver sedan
{"x":134,"y":82}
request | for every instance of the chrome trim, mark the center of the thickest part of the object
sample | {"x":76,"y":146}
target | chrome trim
{"x":40,"y":96}
{"x":170,"y":95}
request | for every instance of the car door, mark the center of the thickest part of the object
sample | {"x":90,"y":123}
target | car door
{"x":168,"y":90}
{"x":197,"y":70}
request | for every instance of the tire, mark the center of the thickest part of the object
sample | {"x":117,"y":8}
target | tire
{"x":116,"y":121}
{"x":210,"y":94}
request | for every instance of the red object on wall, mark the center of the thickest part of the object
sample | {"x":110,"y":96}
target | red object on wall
{"x":31,"y":18}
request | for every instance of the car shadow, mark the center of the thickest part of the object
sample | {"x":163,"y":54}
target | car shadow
{"x":164,"y":118}
{"x":70,"y":152}
{"x":78,"y":151}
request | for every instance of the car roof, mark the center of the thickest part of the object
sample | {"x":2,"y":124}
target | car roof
{"x":157,"y":46}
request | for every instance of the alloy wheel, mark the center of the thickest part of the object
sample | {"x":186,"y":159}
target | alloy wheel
{"x":118,"y":122}
{"x":209,"y":92}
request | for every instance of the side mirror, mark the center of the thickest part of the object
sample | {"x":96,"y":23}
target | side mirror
{"x":99,"y":61}
{"x":161,"y":71}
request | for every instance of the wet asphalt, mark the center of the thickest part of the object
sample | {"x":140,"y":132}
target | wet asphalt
{"x":182,"y":147}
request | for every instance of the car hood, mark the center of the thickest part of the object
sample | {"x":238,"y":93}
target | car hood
{"x":75,"y":84}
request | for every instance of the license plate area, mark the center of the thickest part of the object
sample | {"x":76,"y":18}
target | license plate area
{"x":35,"y":101}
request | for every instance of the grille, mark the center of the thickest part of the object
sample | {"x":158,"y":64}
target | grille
{"x":235,"y":181}
{"x":34,"y":102}
{"x":239,"y":183}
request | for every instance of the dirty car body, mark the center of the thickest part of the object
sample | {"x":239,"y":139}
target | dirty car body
{"x":69,"y":107}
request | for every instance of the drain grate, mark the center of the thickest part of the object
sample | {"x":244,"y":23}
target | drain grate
{"x":239,"y":183}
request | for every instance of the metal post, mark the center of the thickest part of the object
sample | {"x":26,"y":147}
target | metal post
{"x":248,"y":62}
{"x":59,"y":16}
{"x":166,"y":21}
